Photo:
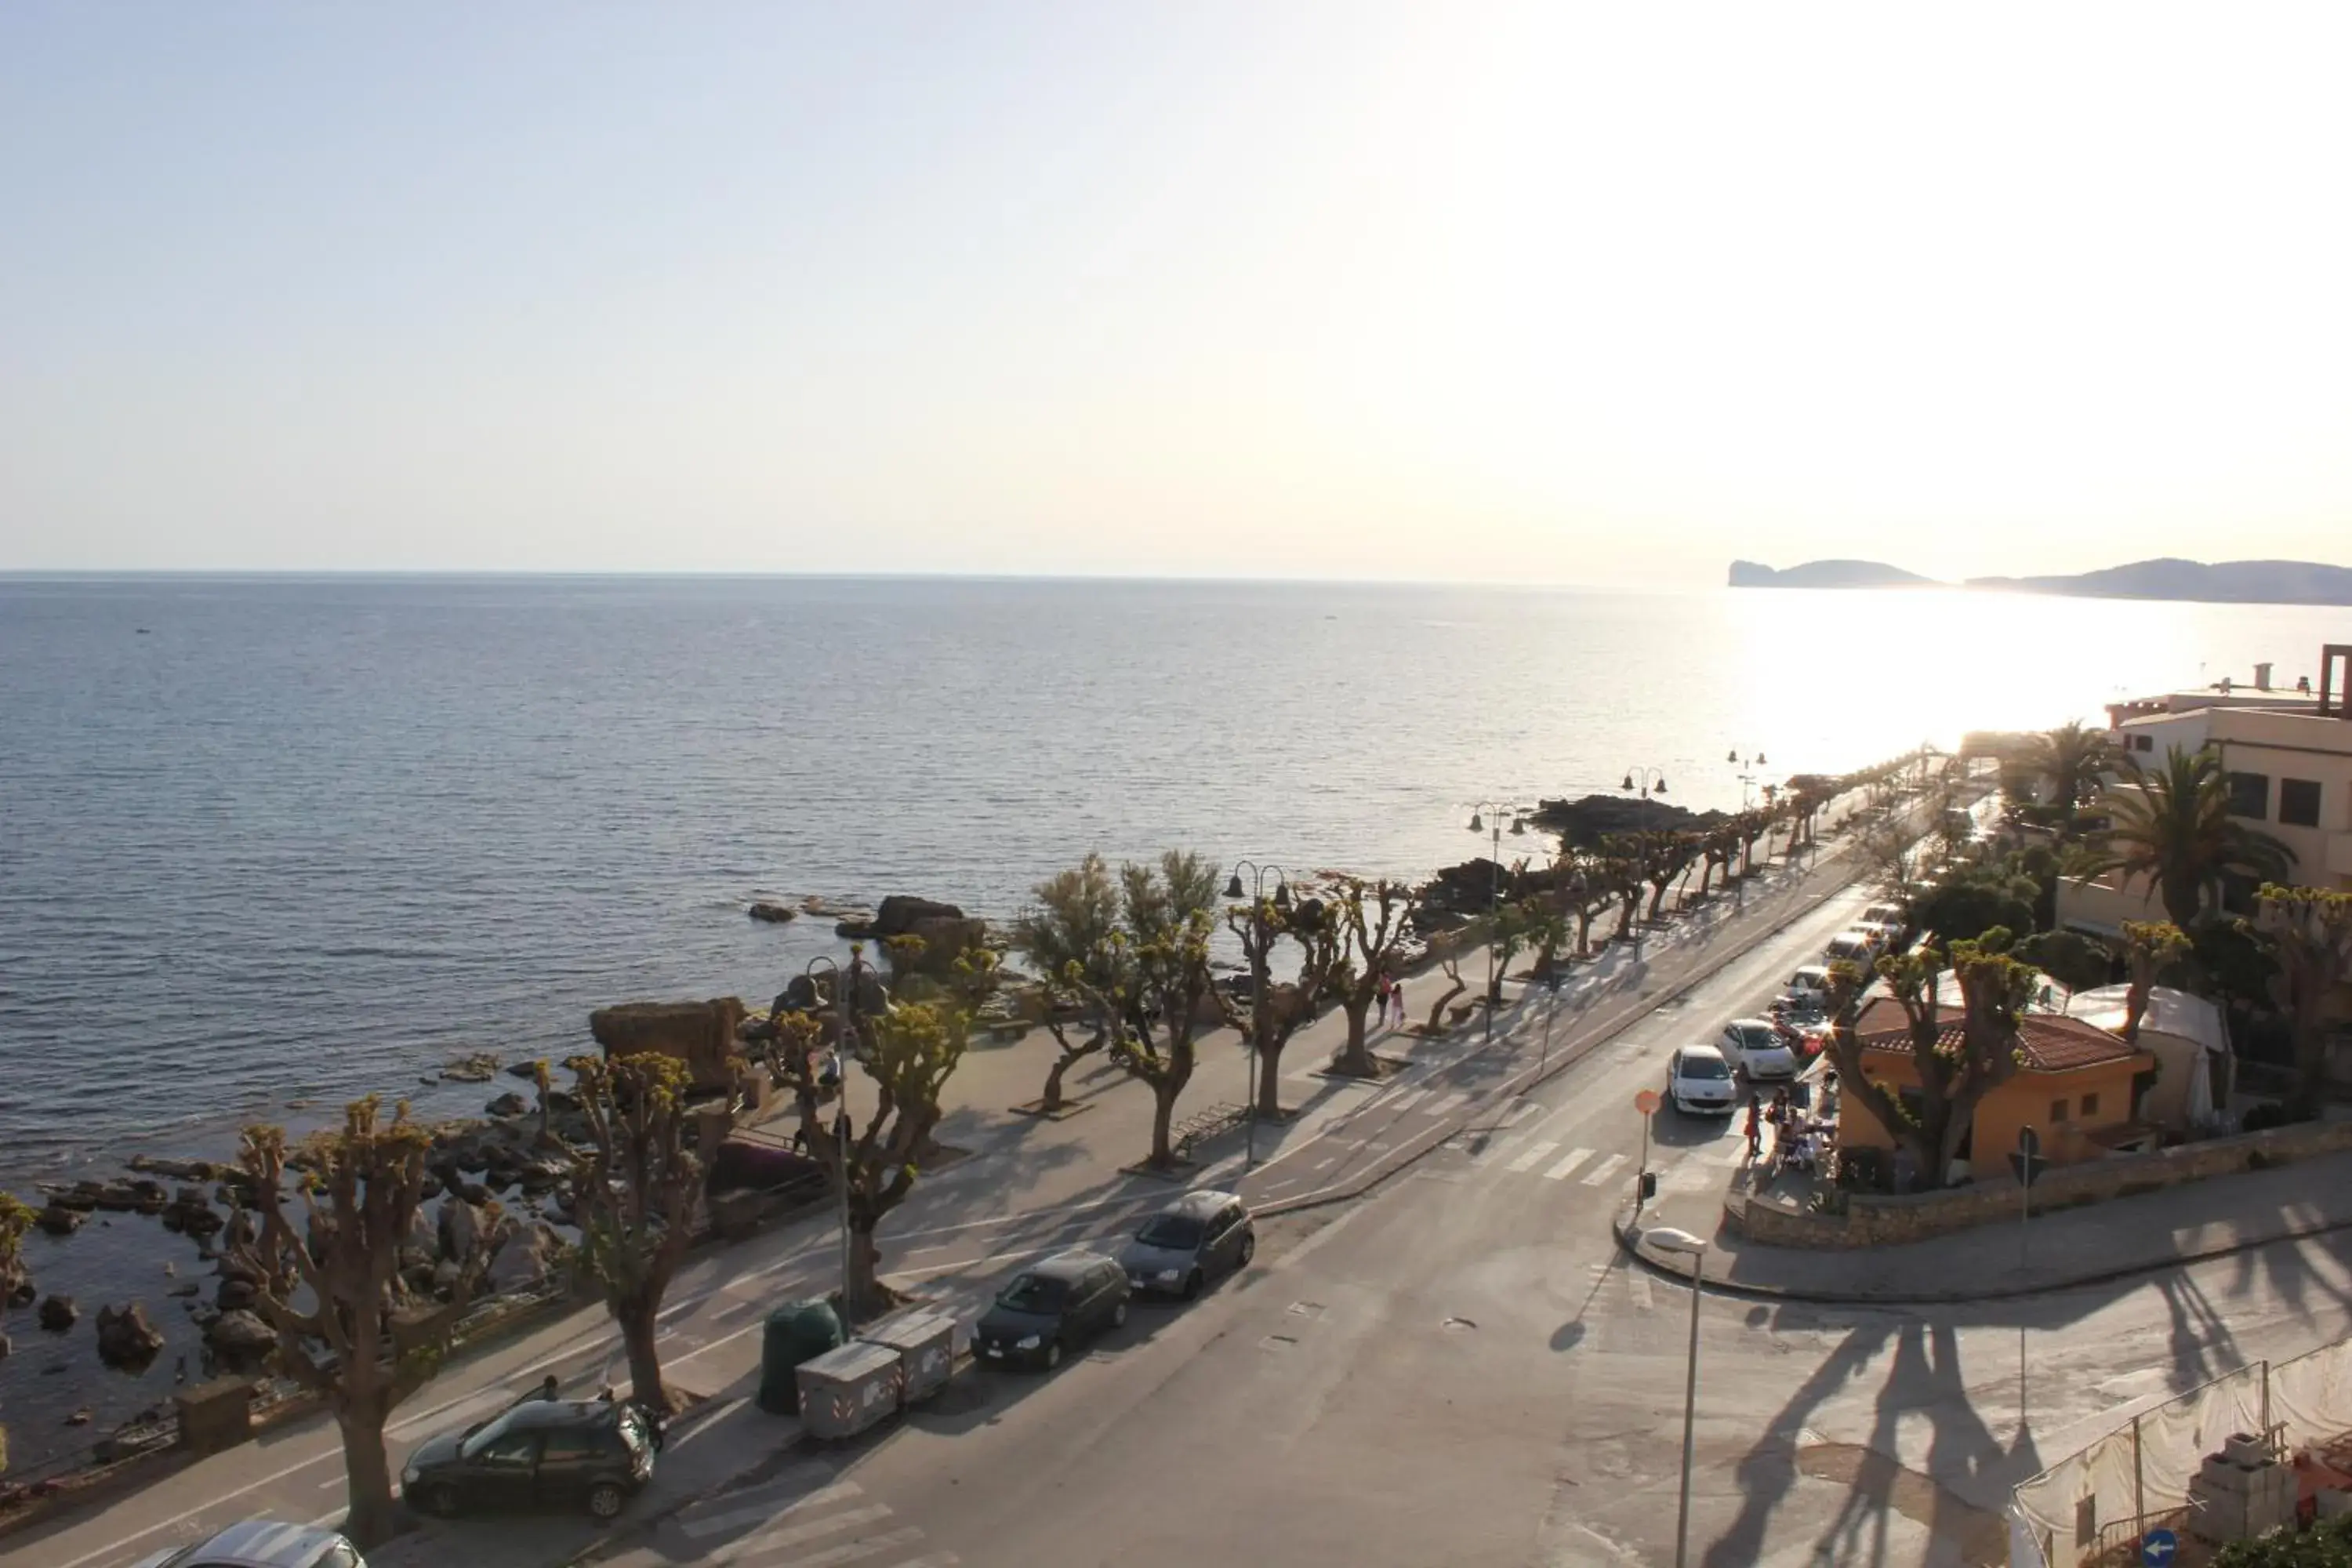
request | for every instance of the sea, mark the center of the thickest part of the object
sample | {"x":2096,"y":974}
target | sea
{"x":270,"y":843}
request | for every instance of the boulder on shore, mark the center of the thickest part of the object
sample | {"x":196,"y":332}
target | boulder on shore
{"x":1583,"y":824}
{"x":702,"y":1035}
{"x":898,"y":916}
{"x":58,"y":1220}
{"x":240,"y":1339}
{"x":524,"y":1259}
{"x":58,"y":1313}
{"x":774,"y":914}
{"x":125,"y":1338}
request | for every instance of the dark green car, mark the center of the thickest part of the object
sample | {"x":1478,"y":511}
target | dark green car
{"x":542,"y":1454}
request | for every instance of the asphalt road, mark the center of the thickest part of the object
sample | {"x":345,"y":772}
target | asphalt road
{"x":1463,"y":1368}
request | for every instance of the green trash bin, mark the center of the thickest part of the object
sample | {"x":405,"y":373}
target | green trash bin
{"x":794,"y":1334}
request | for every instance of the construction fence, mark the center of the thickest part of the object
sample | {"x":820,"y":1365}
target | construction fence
{"x":2092,"y":1507}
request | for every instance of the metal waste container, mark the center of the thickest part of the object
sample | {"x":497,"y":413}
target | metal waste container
{"x":846,"y":1390}
{"x":794,"y":1334}
{"x":925,"y":1343}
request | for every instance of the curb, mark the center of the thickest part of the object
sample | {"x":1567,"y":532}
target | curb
{"x":1565,"y":1057}
{"x":1629,"y":1239}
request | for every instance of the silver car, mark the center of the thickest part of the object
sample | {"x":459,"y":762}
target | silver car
{"x":1194,"y":1239}
{"x":262,"y":1543}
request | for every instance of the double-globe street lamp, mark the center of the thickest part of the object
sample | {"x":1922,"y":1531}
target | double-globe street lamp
{"x":1748,"y":778}
{"x":846,"y":988}
{"x":1650,"y":781}
{"x":1262,"y":939}
{"x":1485,"y":813}
{"x":1682,"y":1243}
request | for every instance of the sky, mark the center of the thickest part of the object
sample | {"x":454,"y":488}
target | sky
{"x":1603,"y":294}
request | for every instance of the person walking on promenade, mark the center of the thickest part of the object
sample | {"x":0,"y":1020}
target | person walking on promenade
{"x":1755,"y":1126}
{"x":1396,"y":995}
{"x":1380,"y":990}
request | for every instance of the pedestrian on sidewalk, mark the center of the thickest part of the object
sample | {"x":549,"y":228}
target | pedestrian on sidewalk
{"x":1381,"y":990}
{"x":1396,"y":995}
{"x":1755,"y":1126}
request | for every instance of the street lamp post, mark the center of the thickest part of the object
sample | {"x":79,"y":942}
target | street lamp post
{"x":1261,"y":939}
{"x":1650,"y":781}
{"x":1669,"y":1240}
{"x":1487,"y":811}
{"x":845,"y":996}
{"x":1748,"y":778}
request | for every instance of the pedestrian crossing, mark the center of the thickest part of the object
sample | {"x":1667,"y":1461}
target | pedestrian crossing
{"x":1546,"y":1159}
{"x":803,"y":1518}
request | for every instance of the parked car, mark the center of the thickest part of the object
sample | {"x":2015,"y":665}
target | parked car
{"x":542,"y":1454}
{"x":1812,"y":980}
{"x":1859,"y":947}
{"x":1758,"y":1049}
{"x":1699,"y":1081}
{"x":1190,"y":1242}
{"x":1054,"y":1307}
{"x":262,"y":1544}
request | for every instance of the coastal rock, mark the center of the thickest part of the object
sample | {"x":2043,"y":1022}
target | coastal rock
{"x":1583,"y":824}
{"x":21,"y":1294}
{"x":235,"y":1294}
{"x":932,"y":946}
{"x":896,"y":917}
{"x":459,"y":1231}
{"x":58,"y":1220}
{"x":774,"y":914}
{"x":174,"y":1170}
{"x":125,"y":1338}
{"x":702,"y":1035}
{"x":240,"y":1339}
{"x":508,"y":1104}
{"x":476,"y":1067}
{"x":524,"y":1259}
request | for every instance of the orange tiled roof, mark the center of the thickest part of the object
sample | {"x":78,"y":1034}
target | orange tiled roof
{"x":2050,"y":1043}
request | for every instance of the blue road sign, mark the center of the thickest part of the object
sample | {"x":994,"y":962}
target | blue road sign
{"x":2159,"y":1547}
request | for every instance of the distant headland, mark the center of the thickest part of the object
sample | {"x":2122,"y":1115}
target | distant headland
{"x":2220,"y":583}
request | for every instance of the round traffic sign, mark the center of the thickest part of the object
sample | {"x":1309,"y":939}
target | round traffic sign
{"x":2159,"y":1547}
{"x":1646,"y":1102}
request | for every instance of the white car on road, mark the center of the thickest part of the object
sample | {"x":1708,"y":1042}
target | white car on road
{"x":1758,"y":1049}
{"x":1699,"y":1082}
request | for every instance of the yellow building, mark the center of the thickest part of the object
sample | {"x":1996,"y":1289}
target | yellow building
{"x":2076,"y":1088}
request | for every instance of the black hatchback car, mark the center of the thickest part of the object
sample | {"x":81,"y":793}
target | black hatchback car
{"x":1054,"y":1307}
{"x":542,"y":1453}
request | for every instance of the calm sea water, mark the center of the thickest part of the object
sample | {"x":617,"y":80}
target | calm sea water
{"x":266,"y":845}
{"x":278,"y":840}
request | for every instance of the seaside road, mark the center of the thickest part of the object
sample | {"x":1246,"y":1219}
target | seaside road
{"x":960,"y":1235}
{"x":1463,"y":1368}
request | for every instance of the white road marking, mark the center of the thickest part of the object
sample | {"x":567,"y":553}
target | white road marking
{"x":705,"y":1424}
{"x":1444,"y":1104}
{"x":1575,"y":1157}
{"x":741,"y":1511}
{"x":849,"y":1552}
{"x":1604,"y":1170}
{"x":1637,"y":1284}
{"x":767,"y":1541}
{"x":1527,"y":1162}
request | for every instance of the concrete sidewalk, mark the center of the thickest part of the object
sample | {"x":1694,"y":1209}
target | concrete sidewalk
{"x":2096,"y":1244}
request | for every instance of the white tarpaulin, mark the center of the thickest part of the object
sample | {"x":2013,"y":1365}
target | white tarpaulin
{"x":2098,"y":1497}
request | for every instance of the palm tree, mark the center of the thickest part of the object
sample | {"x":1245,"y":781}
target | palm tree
{"x":2172,"y":825}
{"x":2072,"y":761}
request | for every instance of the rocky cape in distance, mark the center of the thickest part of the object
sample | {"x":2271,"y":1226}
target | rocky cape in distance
{"x":2220,"y":583}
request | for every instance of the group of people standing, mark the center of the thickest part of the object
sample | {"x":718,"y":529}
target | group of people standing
{"x":1389,"y":994}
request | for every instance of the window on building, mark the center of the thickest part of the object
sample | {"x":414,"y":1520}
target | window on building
{"x":2250,"y":795}
{"x":2143,"y":742}
{"x":2057,"y":1112}
{"x":2299,"y":802}
{"x":2090,"y":1106}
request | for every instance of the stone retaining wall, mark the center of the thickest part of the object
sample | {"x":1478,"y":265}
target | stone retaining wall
{"x":1875,"y":1221}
